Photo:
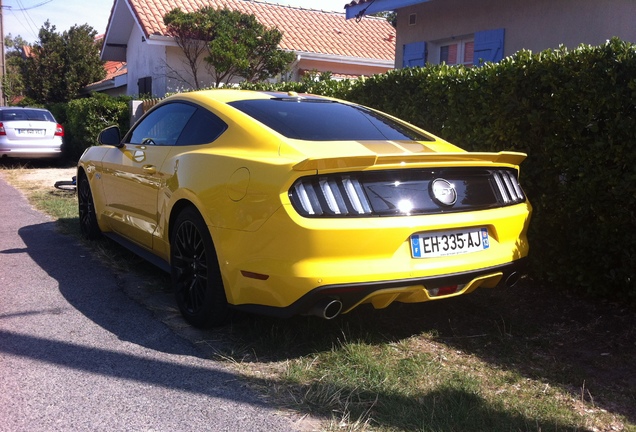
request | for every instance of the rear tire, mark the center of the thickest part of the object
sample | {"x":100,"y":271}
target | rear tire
{"x":196,"y":276}
{"x":87,"y":217}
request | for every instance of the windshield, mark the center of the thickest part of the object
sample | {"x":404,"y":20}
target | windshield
{"x":326,"y":120}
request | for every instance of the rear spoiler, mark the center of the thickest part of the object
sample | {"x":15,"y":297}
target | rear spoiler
{"x":348,"y":162}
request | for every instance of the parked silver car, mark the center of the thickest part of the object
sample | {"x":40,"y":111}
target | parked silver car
{"x":29,"y":133}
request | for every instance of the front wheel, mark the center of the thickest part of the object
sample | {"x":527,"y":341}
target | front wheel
{"x":196,"y":276}
{"x":87,"y":217}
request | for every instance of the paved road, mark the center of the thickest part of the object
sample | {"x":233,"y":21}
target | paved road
{"x":77,"y":354}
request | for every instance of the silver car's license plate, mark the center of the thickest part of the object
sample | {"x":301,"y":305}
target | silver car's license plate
{"x":451,"y":242}
{"x":31,"y":132}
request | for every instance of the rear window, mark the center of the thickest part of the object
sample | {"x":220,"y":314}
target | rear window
{"x":325,"y":120}
{"x":26,"y":114}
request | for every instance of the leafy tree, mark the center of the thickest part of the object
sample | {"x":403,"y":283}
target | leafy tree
{"x":234,"y":44}
{"x":12,"y":83}
{"x":390,"y":16}
{"x":59,"y":65}
{"x":190,"y":31}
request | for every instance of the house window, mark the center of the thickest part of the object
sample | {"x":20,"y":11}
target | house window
{"x":468,"y":50}
{"x":412,"y":19}
{"x":459,"y":51}
{"x":145,"y":86}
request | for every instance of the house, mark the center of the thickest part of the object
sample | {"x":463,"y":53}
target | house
{"x":472,"y":31}
{"x":115,"y":82}
{"x":322,"y":41}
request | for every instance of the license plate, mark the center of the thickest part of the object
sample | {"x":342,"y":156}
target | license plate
{"x":452,"y":242}
{"x":31,"y":131}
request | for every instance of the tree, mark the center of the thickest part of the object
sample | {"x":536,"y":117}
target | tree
{"x":390,"y":16}
{"x":190,"y":31}
{"x":59,"y":65}
{"x":235,"y":44}
{"x":12,"y":83}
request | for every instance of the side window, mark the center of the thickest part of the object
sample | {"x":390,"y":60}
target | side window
{"x":203,"y":127}
{"x":163,"y":125}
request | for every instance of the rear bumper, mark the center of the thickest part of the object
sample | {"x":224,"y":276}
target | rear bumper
{"x":34,"y":153}
{"x":383,"y":293}
{"x":31,"y":149}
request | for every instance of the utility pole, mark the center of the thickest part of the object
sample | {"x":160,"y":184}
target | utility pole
{"x":2,"y":67}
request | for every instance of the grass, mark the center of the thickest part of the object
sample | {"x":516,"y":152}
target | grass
{"x":525,"y":359}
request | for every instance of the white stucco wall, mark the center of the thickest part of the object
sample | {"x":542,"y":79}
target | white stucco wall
{"x":145,"y":59}
{"x":179,"y":74}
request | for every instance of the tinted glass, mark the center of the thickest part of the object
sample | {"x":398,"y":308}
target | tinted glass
{"x":203,"y":127}
{"x":163,"y":125}
{"x":26,"y":114}
{"x":322,"y":120}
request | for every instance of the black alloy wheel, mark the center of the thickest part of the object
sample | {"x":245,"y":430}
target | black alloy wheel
{"x":87,"y":217}
{"x":196,"y":276}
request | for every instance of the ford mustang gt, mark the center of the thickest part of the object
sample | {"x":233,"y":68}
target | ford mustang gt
{"x":285,"y":204}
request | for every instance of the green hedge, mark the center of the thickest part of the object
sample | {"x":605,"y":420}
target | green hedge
{"x":574,"y":114}
{"x":83,"y":119}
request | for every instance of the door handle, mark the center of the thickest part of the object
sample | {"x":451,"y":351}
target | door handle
{"x":149,"y":169}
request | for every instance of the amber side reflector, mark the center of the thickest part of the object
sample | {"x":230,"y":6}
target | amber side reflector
{"x":252,"y":275}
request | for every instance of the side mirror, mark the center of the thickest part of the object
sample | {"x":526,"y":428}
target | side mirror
{"x":110,"y":136}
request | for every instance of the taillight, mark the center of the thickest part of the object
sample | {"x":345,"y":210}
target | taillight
{"x":332,"y":196}
{"x":59,"y":130}
{"x":407,"y":192}
{"x":2,"y":131}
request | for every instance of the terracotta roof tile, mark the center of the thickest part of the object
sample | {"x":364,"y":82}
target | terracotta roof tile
{"x":304,"y":30}
{"x":114,"y":69}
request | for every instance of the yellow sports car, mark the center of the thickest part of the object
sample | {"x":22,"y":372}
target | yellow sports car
{"x":285,"y":204}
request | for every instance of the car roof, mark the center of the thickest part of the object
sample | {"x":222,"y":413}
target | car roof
{"x":21,"y":108}
{"x":233,"y":95}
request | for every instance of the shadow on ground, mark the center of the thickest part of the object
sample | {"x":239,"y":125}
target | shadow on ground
{"x":575,"y":344}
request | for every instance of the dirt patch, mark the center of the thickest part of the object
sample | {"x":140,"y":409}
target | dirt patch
{"x":35,"y":177}
{"x":48,"y":176}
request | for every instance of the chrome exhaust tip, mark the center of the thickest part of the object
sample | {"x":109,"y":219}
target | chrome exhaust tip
{"x":326,"y":309}
{"x":512,"y":279}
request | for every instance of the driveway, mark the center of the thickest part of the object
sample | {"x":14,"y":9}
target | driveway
{"x":76,"y":353}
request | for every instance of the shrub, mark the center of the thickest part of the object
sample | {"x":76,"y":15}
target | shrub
{"x":87,"y":117}
{"x":573,"y":113}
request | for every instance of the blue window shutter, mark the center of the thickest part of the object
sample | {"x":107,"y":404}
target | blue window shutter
{"x":489,"y":46}
{"x":414,"y":54}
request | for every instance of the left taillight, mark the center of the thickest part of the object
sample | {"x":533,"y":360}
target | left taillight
{"x":2,"y":131}
{"x":329,"y":196}
{"x":59,"y":130}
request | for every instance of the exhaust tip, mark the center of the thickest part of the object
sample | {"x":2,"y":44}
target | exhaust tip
{"x":512,"y":279}
{"x":326,"y":309}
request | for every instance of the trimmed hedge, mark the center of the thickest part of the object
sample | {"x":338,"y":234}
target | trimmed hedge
{"x":573,"y":113}
{"x":83,"y":119}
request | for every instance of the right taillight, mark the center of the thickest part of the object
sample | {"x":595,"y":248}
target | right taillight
{"x":59,"y":130}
